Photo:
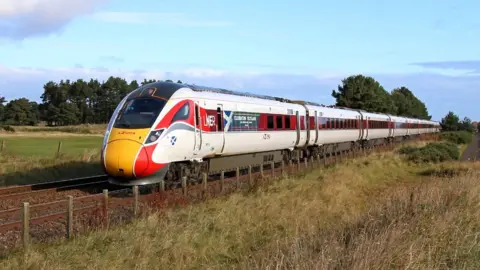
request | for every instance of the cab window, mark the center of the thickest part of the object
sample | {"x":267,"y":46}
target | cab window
{"x":182,"y":113}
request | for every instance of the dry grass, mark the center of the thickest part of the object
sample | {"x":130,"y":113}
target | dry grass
{"x":364,"y":214}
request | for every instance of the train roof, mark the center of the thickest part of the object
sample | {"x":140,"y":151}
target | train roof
{"x":167,"y":89}
{"x":199,"y":88}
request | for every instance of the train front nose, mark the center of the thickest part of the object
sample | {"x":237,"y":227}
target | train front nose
{"x":125,"y":158}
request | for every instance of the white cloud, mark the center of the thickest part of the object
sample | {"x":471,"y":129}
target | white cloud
{"x":440,"y":93}
{"x":20,"y":19}
{"x":164,"y":18}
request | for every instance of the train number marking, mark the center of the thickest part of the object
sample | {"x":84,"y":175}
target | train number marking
{"x":266,"y":136}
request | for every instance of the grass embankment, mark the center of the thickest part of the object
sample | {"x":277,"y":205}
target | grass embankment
{"x":383,"y":211}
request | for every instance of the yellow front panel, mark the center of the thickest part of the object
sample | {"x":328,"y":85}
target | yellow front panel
{"x":122,"y":149}
{"x":137,"y":135}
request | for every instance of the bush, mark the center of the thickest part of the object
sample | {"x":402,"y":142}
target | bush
{"x":459,"y":137}
{"x":432,"y":152}
{"x":8,"y":129}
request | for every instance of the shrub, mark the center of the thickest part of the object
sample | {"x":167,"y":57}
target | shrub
{"x":458,"y":137}
{"x":8,"y":129}
{"x":432,"y":152}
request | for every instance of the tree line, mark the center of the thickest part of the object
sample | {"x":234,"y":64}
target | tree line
{"x":452,"y":122}
{"x":93,"y":102}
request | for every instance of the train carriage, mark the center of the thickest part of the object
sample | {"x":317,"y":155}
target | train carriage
{"x":164,"y":131}
{"x":333,"y":125}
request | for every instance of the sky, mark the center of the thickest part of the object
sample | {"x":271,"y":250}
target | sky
{"x":294,"y":49}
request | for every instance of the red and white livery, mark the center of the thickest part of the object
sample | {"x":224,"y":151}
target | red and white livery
{"x":164,"y":130}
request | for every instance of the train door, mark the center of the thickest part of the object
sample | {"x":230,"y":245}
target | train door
{"x":407,"y":125}
{"x":316,"y":127}
{"x":367,"y":122}
{"x":220,"y":126}
{"x":297,"y":126}
{"x":307,"y":125}
{"x":390,"y":127}
{"x":360,"y":125}
{"x":198,"y":128}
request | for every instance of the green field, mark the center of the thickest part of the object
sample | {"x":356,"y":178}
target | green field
{"x":33,"y":159}
{"x":47,"y":147}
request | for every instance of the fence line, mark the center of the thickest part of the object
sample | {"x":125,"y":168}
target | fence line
{"x":3,"y":147}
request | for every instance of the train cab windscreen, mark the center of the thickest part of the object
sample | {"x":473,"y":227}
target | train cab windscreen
{"x":139,"y":113}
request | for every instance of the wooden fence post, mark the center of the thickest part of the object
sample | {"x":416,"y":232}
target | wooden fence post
{"x":4,"y":145}
{"x":204,"y":185}
{"x":69,"y":217}
{"x":26,"y":225}
{"x":105,"y":207}
{"x":184,"y":185}
{"x":222,"y":182}
{"x":283,"y":168}
{"x":135,"y":200}
{"x":273,"y":169}
{"x":250,"y":179}
{"x":237,"y":174}
{"x":59,"y":148}
{"x":261,"y":171}
{"x":162,"y":186}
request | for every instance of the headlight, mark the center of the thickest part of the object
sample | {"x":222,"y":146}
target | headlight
{"x":153,"y":136}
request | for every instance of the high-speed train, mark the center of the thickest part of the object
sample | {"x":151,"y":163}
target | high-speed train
{"x":166,"y":130}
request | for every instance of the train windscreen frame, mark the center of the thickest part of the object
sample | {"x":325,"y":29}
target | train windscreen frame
{"x":139,"y":113}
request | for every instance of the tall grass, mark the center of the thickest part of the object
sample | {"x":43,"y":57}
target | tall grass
{"x":380,"y":212}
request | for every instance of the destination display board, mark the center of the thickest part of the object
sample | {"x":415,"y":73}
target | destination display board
{"x":242,"y":121}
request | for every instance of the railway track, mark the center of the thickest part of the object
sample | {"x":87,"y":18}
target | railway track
{"x":11,"y":197}
{"x":59,"y":185}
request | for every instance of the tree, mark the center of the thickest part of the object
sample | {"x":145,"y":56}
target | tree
{"x":360,"y":92}
{"x":2,"y":109}
{"x":408,"y":104}
{"x":21,"y":112}
{"x":451,"y":122}
{"x":466,"y":124}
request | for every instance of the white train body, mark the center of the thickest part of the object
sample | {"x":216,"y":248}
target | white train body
{"x":197,"y":123}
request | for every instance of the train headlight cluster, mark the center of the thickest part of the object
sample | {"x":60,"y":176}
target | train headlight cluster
{"x":153,"y":136}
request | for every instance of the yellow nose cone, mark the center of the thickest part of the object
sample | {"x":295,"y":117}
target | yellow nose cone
{"x":120,"y":157}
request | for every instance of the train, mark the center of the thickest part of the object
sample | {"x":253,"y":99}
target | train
{"x":166,"y":131}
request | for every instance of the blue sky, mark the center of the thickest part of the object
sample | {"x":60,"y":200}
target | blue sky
{"x":296,"y":49}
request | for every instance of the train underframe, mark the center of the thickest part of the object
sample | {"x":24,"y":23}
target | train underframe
{"x":194,"y":171}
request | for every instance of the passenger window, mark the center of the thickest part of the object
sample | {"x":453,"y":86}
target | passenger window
{"x":270,"y":121}
{"x":182,"y":114}
{"x":287,"y":122}
{"x":279,"y":122}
